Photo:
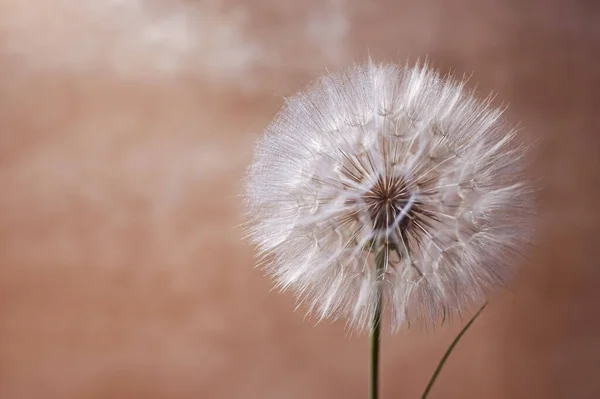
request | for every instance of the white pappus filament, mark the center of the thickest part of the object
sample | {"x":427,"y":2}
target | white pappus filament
{"x":395,"y":159}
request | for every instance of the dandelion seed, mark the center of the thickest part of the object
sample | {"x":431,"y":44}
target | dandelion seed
{"x":395,"y":159}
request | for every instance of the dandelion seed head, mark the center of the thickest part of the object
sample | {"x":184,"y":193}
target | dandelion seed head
{"x":395,"y":159}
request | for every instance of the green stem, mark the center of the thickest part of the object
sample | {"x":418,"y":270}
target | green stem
{"x":380,"y":260}
{"x":447,"y":354}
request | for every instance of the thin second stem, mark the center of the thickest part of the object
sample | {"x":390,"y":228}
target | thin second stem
{"x":449,"y":351}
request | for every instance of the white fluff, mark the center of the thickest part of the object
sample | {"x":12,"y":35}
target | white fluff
{"x":381,"y":157}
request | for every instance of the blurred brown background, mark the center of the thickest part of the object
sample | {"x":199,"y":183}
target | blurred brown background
{"x":126,"y":126}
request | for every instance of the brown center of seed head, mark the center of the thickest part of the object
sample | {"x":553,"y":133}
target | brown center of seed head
{"x":385,"y":201}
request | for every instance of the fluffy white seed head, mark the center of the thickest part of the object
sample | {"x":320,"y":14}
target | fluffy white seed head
{"x":394,"y":159}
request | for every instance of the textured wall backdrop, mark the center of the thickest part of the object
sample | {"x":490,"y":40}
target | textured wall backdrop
{"x":125,"y":128}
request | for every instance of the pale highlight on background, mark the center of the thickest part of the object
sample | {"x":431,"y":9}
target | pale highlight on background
{"x":126,"y":128}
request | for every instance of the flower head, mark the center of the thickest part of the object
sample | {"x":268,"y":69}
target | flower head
{"x":395,"y":161}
